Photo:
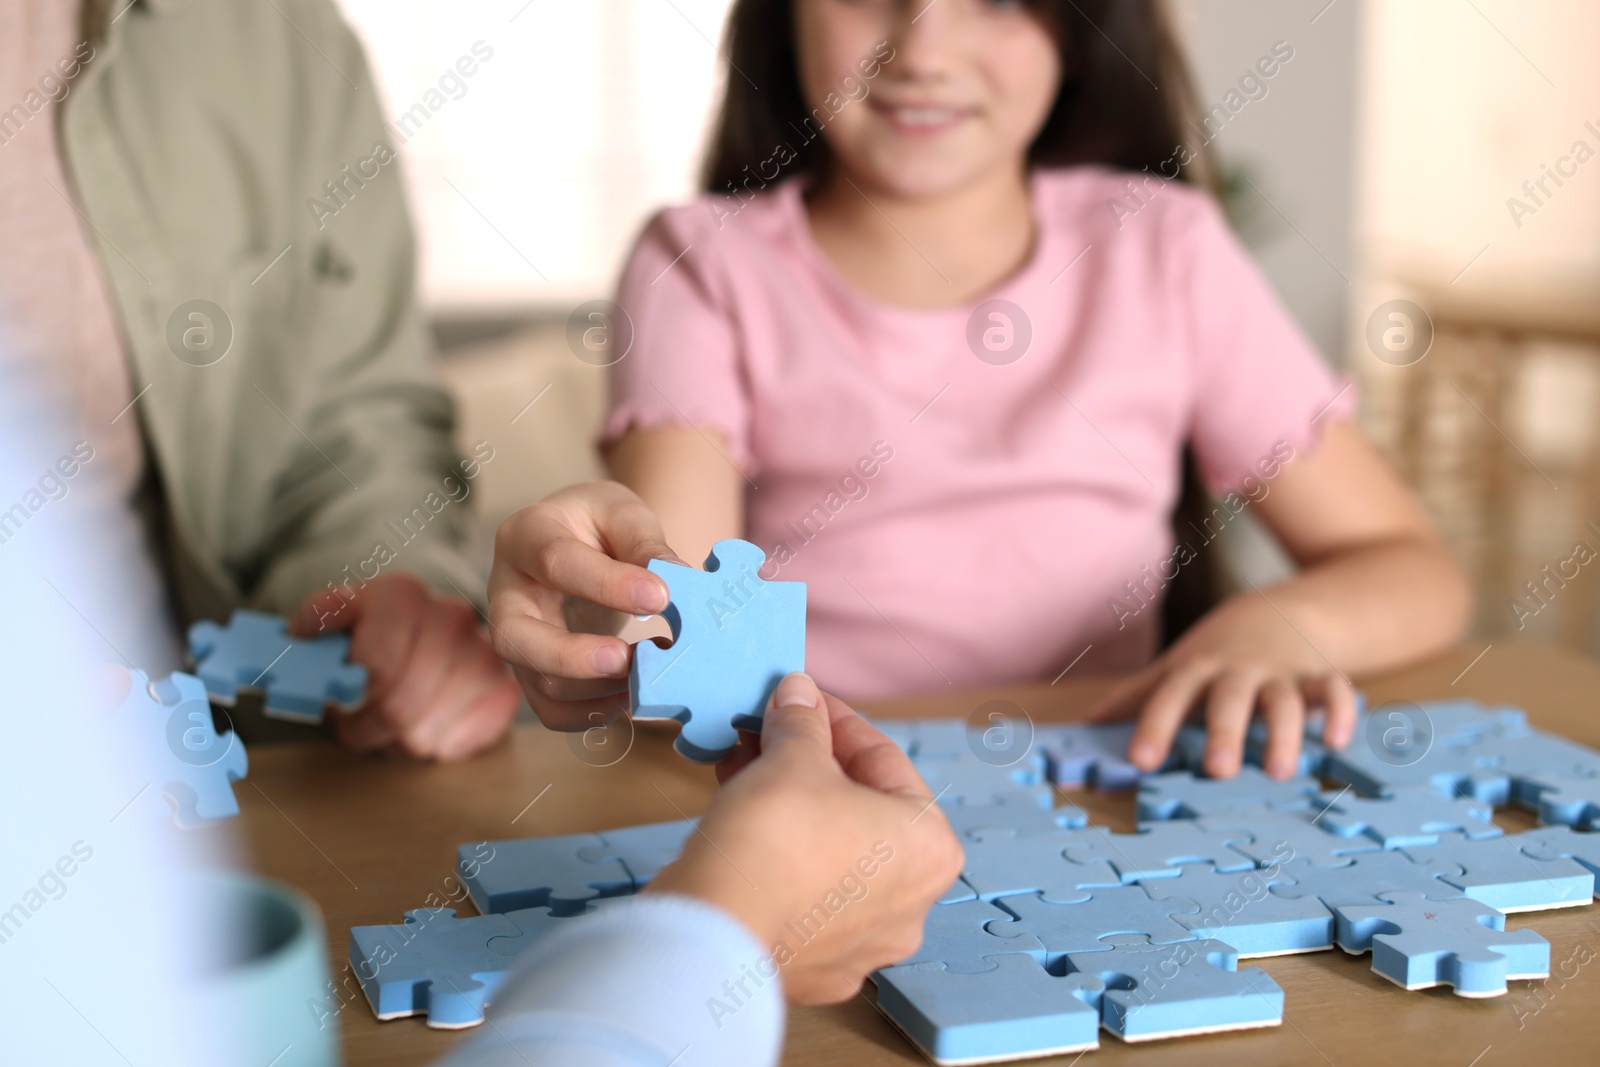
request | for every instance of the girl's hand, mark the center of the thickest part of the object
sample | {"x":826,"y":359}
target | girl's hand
{"x":1242,"y":657}
{"x":826,"y":843}
{"x":585,"y":545}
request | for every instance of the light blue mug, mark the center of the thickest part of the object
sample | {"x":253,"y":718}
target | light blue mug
{"x":270,"y":973}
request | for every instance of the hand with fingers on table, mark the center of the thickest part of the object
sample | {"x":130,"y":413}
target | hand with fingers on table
{"x":435,"y":688}
{"x":823,"y":830}
{"x":582,"y":548}
{"x":1241,"y":660}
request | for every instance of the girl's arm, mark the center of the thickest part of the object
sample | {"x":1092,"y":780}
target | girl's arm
{"x":1377,"y":587}
{"x":686,"y":477}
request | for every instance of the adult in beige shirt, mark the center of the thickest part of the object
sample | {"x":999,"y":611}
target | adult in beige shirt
{"x":256,"y":421}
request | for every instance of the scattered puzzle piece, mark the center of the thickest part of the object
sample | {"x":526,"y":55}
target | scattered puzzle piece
{"x":1194,"y":987}
{"x":1497,"y":872}
{"x":299,"y":676}
{"x":1015,"y":1008}
{"x":1160,"y":849}
{"x":1079,"y":926}
{"x":1417,"y":943}
{"x":1180,"y":795}
{"x":735,"y":635}
{"x":539,"y":872}
{"x":170,"y":724}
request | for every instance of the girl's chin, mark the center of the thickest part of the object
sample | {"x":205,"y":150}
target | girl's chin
{"x":922,"y":179}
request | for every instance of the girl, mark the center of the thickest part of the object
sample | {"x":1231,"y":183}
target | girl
{"x":937,"y":337}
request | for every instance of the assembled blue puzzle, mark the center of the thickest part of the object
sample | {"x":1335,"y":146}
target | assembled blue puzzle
{"x":170,"y":722}
{"x":1057,"y":930}
{"x":298,"y":676}
{"x":735,"y":635}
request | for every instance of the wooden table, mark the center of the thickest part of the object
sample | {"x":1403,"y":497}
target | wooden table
{"x":370,"y":838}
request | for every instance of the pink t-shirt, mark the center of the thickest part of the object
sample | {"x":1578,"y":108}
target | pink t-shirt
{"x":965,"y":510}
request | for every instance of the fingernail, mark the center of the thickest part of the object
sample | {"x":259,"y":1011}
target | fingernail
{"x":796,"y":691}
{"x":649,"y":597}
{"x":609,"y":659}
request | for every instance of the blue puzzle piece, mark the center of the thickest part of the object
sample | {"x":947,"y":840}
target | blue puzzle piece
{"x":1160,"y":849}
{"x":1238,"y":909}
{"x":960,"y":936}
{"x":1406,"y":818}
{"x":1015,"y":1008}
{"x":1417,"y":943}
{"x":643,"y":850}
{"x":170,"y":723}
{"x":299,"y":676}
{"x":735,"y":636}
{"x":1195,"y":987}
{"x":1013,"y":817}
{"x":1002,"y":863}
{"x":940,"y":739}
{"x":1457,"y":722}
{"x":1093,"y":755}
{"x":969,"y":781}
{"x":1190,"y":747}
{"x":442,"y":966}
{"x":1281,"y":836}
{"x":1365,"y":878}
{"x":1180,"y":795}
{"x":1496,"y":872}
{"x":1079,"y":926}
{"x":1471,"y":770}
{"x":1561,"y":842}
{"x":539,"y":872}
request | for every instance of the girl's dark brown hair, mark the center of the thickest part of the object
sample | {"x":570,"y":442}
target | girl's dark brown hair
{"x":1125,"y":100}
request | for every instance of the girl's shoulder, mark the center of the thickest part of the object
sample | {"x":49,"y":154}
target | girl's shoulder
{"x":1093,"y":198}
{"x":760,"y":216}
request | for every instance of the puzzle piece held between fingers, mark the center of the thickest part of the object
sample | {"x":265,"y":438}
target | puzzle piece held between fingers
{"x":1417,"y":943}
{"x":735,"y":636}
{"x":299,"y":676}
{"x":170,"y":723}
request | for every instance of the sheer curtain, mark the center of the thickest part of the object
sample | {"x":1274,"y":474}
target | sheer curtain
{"x":536,"y":137}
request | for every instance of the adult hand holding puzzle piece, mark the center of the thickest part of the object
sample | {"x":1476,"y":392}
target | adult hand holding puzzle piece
{"x":824,"y":842}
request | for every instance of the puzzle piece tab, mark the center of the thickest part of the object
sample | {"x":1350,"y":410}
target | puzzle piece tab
{"x":1193,"y":987}
{"x":1417,"y":943}
{"x":735,"y":635}
{"x":960,"y":936}
{"x":1561,"y":842}
{"x":170,"y":724}
{"x":299,"y":676}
